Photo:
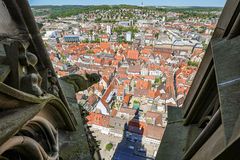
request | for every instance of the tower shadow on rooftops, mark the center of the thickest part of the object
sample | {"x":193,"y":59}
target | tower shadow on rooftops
{"x":131,"y":146}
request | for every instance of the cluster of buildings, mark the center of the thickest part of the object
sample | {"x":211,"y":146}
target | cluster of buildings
{"x":143,"y":71}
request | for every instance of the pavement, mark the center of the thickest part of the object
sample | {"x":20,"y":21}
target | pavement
{"x":123,"y":152}
{"x":123,"y":148}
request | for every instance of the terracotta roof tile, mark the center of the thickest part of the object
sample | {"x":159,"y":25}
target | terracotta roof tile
{"x":127,"y":98}
{"x":132,"y":54}
{"x":154,"y":132}
{"x":141,"y":84}
{"x":98,"y":119}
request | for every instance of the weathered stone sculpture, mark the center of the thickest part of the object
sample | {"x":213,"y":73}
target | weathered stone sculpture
{"x":41,"y":118}
{"x":82,"y":82}
{"x":31,"y":82}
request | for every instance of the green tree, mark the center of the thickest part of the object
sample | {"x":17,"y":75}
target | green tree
{"x":158,"y":80}
{"x":109,"y":146}
{"x":191,"y":63}
{"x":85,"y":41}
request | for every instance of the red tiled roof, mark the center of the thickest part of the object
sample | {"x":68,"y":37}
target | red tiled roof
{"x":132,"y":54}
{"x":127,"y":98}
{"x":96,"y":50}
{"x":104,"y":36}
{"x":197,"y":51}
{"x":146,"y":51}
{"x":98,"y":87}
{"x":62,"y":73}
{"x":153,"y":94}
{"x":122,"y":70}
{"x":149,"y":77}
{"x":134,"y":69}
{"x":115,"y":62}
{"x":125,"y":45}
{"x":141,"y":84}
{"x":122,"y":76}
{"x":105,"y":79}
{"x":113,"y":113}
{"x":126,"y":82}
{"x":152,"y":114}
{"x":120,"y":90}
{"x":97,"y":60}
{"x":92,"y":99}
{"x":118,"y":57}
{"x":145,"y":59}
{"x":98,"y":119}
{"x":180,"y":90}
{"x":106,"y":62}
{"x":104,"y":45}
{"x":108,"y":91}
{"x":147,"y":93}
{"x":154,"y":132}
{"x":128,"y":111}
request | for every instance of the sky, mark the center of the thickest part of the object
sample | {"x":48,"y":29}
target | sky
{"x":215,"y":3}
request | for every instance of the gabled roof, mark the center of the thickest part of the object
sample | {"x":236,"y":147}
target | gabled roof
{"x":151,"y":114}
{"x":132,"y":54}
{"x":141,"y":84}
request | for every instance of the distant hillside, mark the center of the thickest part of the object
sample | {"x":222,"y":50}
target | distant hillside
{"x":54,"y":11}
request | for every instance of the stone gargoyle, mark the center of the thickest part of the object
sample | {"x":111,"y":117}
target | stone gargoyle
{"x":82,"y":82}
